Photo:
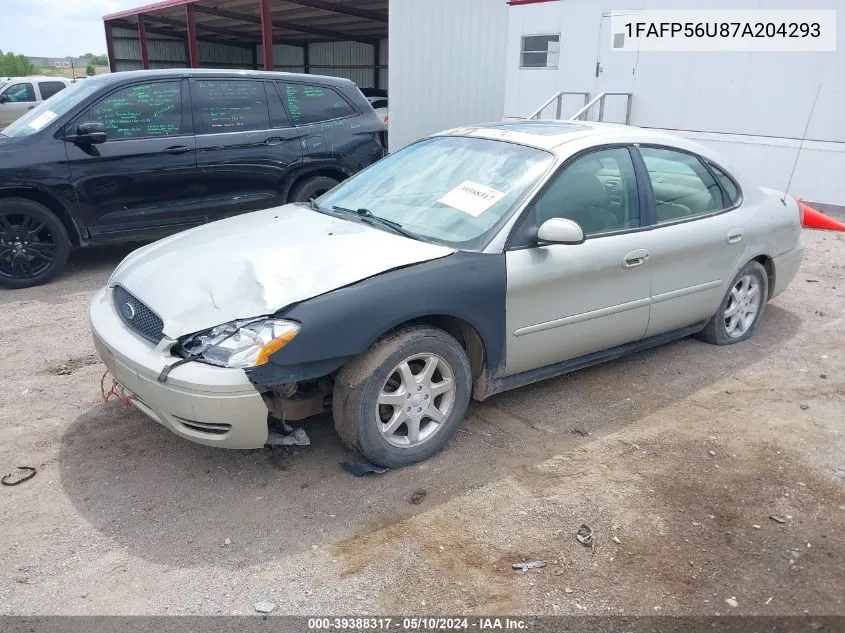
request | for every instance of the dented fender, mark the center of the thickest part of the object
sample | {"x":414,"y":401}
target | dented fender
{"x":339,"y":325}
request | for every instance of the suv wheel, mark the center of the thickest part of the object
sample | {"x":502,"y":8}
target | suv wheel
{"x":311,"y":188}
{"x":741,"y":309}
{"x":33,"y":243}
{"x":402,"y":400}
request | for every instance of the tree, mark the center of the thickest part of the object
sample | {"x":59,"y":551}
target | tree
{"x":90,"y":70}
{"x":12,"y":65}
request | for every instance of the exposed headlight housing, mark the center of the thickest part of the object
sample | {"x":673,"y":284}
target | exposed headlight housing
{"x":241,"y":344}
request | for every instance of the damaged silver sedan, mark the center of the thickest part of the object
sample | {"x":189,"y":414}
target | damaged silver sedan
{"x":472,"y":262}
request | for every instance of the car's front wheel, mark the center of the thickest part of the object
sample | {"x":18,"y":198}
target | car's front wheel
{"x":34,"y":244}
{"x":741,"y":309}
{"x":402,"y":400}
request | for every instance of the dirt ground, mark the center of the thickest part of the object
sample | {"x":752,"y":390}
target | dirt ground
{"x":678,"y":458}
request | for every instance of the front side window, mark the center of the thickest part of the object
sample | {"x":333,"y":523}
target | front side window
{"x":598,"y":191}
{"x":19,"y":93}
{"x":449,"y":190}
{"x":142,"y":111}
{"x":312,"y":104}
{"x":683,"y":187}
{"x":232,"y":106}
{"x":49,"y":88}
{"x":540,"y":51}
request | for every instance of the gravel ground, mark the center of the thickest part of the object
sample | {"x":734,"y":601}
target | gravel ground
{"x":677,"y":458}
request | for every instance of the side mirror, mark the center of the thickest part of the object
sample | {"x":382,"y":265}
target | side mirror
{"x":4,"y":99}
{"x":91,"y":133}
{"x":560,"y":231}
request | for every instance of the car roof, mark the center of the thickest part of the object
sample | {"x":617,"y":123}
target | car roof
{"x":554,"y":135}
{"x":39,"y":77}
{"x":169,"y":73}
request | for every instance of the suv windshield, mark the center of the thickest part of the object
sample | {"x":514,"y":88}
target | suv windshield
{"x":44,"y":113}
{"x":448,"y":189}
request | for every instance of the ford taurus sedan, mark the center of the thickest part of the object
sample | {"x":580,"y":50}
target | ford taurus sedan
{"x":469,"y":263}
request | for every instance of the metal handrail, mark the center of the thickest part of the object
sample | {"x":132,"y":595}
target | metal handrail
{"x":588,"y":104}
{"x":600,"y":99}
{"x":559,"y":98}
{"x":583,"y":111}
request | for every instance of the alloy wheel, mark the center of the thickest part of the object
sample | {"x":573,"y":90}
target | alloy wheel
{"x":743,"y":306}
{"x":27,"y":246}
{"x":416,"y":400}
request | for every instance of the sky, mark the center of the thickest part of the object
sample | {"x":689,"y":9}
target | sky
{"x":58,"y":28}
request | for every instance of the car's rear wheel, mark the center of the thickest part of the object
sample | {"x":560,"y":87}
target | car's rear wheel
{"x":311,"y":188}
{"x":33,"y":243}
{"x":741,"y":309}
{"x":402,"y":400}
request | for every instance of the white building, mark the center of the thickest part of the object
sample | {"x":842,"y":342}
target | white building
{"x":456,"y":62}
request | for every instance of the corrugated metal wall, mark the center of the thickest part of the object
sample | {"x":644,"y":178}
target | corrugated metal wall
{"x":447,"y":65}
{"x":289,"y":59}
{"x":353,"y":60}
{"x":384,"y":55}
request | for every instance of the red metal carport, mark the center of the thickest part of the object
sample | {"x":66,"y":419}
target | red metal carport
{"x":251,"y":34}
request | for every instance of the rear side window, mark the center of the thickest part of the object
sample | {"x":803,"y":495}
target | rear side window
{"x":49,"y":88}
{"x":683,"y":186}
{"x":727,"y":183}
{"x":312,"y":104}
{"x":229,"y":105}
{"x":142,"y":111}
{"x":19,"y":93}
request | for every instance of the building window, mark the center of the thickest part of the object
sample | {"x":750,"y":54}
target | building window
{"x":540,"y":51}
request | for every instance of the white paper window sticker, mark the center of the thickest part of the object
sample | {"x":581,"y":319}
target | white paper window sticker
{"x":472,"y":198}
{"x":41,"y":120}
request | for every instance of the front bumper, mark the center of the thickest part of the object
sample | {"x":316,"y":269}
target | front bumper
{"x":202,"y":403}
{"x":786,"y":266}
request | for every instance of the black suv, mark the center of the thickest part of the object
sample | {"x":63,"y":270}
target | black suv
{"x":134,"y":156}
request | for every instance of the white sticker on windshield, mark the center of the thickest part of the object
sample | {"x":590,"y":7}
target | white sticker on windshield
{"x":472,"y":198}
{"x":41,"y":120}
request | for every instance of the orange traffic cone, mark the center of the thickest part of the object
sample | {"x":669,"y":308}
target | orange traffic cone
{"x":812,"y":219}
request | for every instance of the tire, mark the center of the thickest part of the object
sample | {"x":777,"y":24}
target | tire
{"x":311,"y":188}
{"x":34,"y":244}
{"x":360,"y":419}
{"x":717,"y":330}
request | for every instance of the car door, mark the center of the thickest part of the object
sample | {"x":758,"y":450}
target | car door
{"x":245,"y":144}
{"x":566,"y":301}
{"x":143,"y":179}
{"x":15,"y":99}
{"x":698,"y":240}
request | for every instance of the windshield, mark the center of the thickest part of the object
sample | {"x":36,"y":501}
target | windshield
{"x":45,"y":112}
{"x":451,"y":190}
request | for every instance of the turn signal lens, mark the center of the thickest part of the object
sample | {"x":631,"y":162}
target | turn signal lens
{"x":275,"y":345}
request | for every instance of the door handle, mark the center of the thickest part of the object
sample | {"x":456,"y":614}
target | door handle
{"x":30,"y":107}
{"x":274,"y":141}
{"x":635,"y":258}
{"x":734,"y":236}
{"x":177,"y":149}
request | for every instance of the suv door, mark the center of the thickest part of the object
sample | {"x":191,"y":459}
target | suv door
{"x":15,"y":99}
{"x":697,"y":243}
{"x":245,"y":144}
{"x":566,"y":301}
{"x":143,"y":179}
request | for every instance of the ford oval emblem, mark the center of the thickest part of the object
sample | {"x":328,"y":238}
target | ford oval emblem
{"x":128,"y":311}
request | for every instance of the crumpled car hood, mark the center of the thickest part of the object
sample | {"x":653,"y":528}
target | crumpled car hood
{"x":255,"y":264}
